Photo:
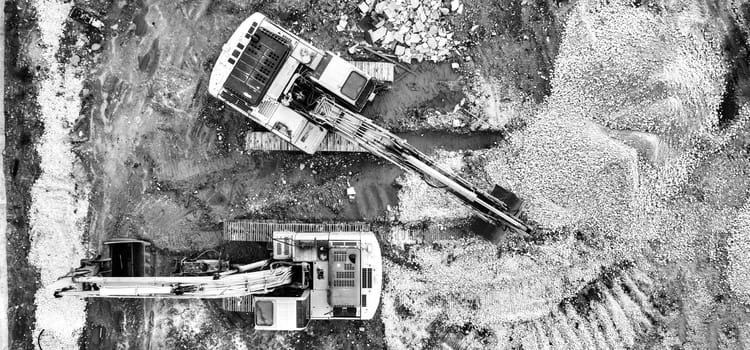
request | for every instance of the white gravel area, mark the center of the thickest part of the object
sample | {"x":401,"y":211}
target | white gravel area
{"x":59,"y":202}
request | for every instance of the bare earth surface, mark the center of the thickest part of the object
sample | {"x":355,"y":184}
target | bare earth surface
{"x":625,"y":127}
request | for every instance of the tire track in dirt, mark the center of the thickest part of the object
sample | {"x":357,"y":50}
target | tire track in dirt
{"x":611,"y":313}
{"x":613,"y":320}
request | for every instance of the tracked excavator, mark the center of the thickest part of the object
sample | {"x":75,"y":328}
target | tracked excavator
{"x":301,"y":93}
{"x":311,"y":272}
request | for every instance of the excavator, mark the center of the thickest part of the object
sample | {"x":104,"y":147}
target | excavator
{"x":312,"y":272}
{"x":301,"y":93}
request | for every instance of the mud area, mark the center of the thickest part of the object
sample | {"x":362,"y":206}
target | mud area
{"x":622,"y":125}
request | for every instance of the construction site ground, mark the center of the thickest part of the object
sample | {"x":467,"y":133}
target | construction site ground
{"x":638,"y":223}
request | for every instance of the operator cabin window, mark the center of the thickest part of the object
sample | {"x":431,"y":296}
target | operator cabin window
{"x":264,"y":313}
{"x":353,"y":85}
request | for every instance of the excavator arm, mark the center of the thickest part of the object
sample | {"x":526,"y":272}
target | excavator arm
{"x":127,"y":274}
{"x":383,"y":143}
{"x":204,"y":287}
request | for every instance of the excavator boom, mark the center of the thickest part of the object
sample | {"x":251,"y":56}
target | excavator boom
{"x":204,"y":287}
{"x":381,"y":142}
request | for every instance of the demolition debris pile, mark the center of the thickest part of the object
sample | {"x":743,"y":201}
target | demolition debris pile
{"x":413,"y":29}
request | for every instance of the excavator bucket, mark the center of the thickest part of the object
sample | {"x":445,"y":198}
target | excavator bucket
{"x":512,"y":202}
{"x":130,"y":257}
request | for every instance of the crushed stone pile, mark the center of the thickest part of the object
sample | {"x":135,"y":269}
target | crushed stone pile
{"x":568,"y":170}
{"x":738,"y":247}
{"x":631,"y":69}
{"x":413,"y":29}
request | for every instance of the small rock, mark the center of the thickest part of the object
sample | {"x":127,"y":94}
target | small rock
{"x":74,"y":60}
{"x":364,"y":7}
{"x":390,"y":13}
{"x":380,"y":7}
{"x":454,"y":5}
{"x":398,"y":36}
{"x":96,"y":47}
{"x":342,"y":23}
{"x":432,"y":43}
{"x":400,"y":50}
{"x":376,"y":35}
{"x":388,"y":38}
{"x":418,"y":27}
{"x":302,"y":166}
{"x":455,"y":65}
{"x":406,"y":58}
{"x":414,"y":39}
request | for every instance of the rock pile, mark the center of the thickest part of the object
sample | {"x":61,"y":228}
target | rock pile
{"x":413,"y":29}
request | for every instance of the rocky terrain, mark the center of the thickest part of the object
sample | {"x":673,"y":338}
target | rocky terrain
{"x":623,"y":125}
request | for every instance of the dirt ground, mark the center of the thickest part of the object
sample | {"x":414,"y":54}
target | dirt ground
{"x":23,"y":129}
{"x":166,"y":162}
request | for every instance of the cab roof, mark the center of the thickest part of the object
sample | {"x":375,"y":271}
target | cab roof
{"x":256,"y":66}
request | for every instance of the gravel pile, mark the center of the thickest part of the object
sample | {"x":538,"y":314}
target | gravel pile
{"x":413,"y":29}
{"x":568,"y":170}
{"x":633,"y":69}
{"x":739,"y":256}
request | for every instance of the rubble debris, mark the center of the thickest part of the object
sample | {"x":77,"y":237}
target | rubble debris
{"x":342,"y":23}
{"x":414,"y":29}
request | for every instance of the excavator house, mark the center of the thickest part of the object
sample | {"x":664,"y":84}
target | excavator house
{"x":300,"y":93}
{"x":314,"y":272}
